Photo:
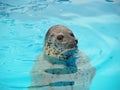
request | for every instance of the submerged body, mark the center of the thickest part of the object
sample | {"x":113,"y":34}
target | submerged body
{"x":61,"y":66}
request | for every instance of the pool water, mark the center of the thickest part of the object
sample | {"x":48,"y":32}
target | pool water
{"x":24,"y":23}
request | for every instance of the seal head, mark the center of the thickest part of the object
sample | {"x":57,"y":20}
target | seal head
{"x":60,"y":42}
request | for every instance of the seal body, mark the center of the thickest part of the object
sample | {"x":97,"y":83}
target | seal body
{"x":61,"y":66}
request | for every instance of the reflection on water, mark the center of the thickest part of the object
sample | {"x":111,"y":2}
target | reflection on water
{"x":33,"y":5}
{"x":110,"y":0}
{"x":43,"y":7}
{"x":23,"y":28}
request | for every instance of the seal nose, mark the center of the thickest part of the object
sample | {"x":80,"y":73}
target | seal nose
{"x":76,"y":41}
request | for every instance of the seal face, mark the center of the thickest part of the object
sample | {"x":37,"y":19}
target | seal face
{"x":60,"y":42}
{"x":61,"y":66}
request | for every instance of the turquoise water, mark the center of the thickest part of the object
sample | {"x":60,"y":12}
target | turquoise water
{"x":23,"y":25}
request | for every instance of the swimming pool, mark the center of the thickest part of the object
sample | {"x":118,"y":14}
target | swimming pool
{"x":23,"y":25}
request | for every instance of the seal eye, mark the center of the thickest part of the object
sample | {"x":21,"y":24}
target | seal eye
{"x":60,"y":37}
{"x":71,"y":34}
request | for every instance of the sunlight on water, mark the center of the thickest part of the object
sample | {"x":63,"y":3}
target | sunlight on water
{"x":23,"y":25}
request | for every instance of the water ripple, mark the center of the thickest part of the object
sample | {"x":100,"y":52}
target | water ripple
{"x":37,"y":6}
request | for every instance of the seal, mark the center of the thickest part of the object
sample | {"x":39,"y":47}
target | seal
{"x":61,"y":66}
{"x":60,"y":42}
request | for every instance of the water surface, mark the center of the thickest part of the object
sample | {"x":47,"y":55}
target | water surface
{"x":23,"y":25}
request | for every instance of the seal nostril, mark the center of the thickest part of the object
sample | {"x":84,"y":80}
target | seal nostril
{"x":76,"y":41}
